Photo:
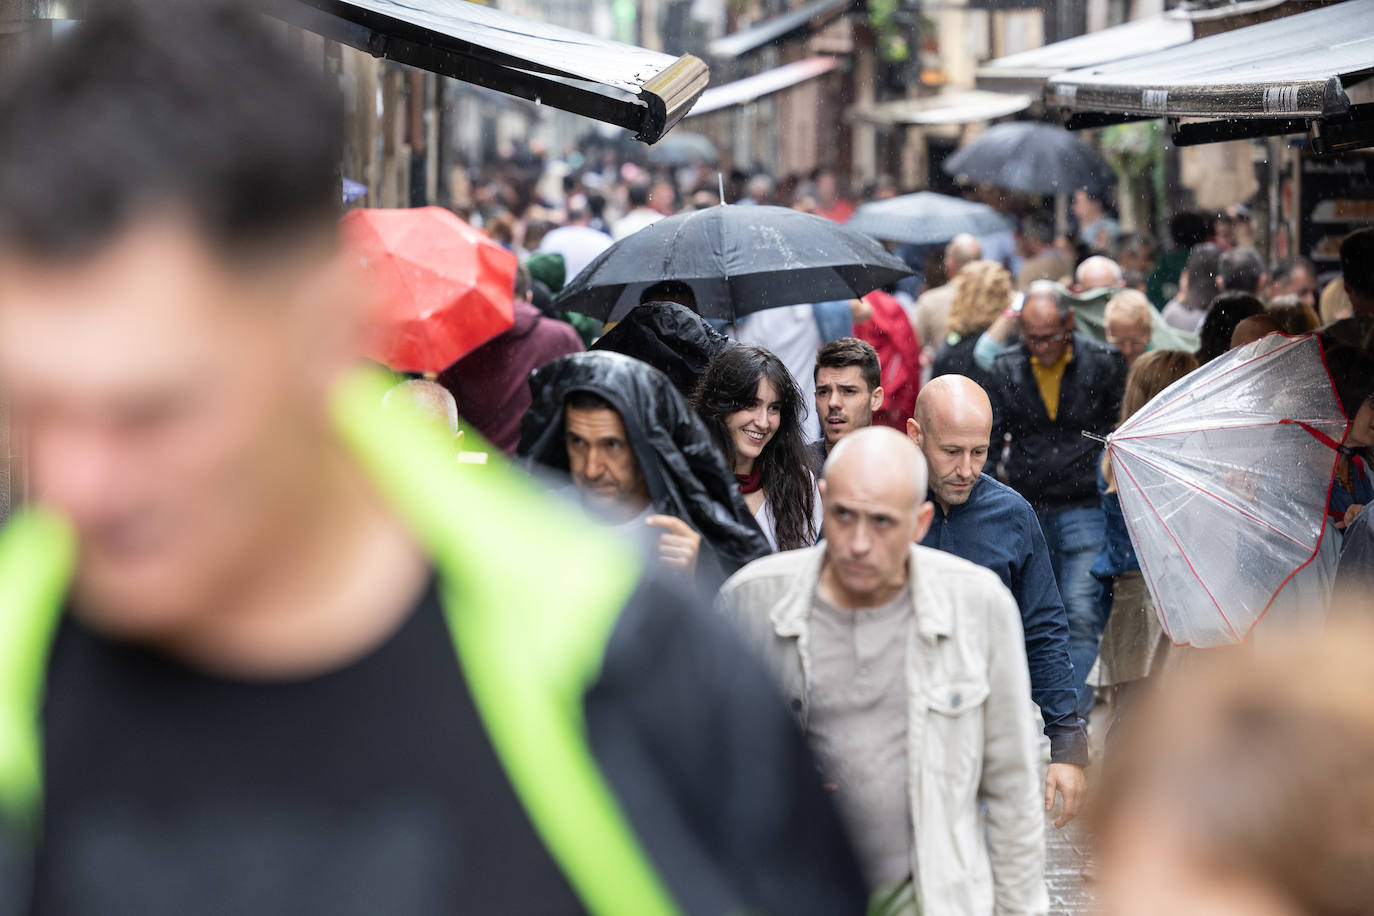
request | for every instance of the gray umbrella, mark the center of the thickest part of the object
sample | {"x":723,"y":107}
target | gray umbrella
{"x":1033,"y":158}
{"x":737,"y":260}
{"x":682,"y":147}
{"x":926,"y":218}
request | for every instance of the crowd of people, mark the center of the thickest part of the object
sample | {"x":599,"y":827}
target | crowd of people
{"x":743,"y":627}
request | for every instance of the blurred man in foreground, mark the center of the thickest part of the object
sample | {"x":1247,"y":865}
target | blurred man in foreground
{"x":1241,"y":790}
{"x":260,"y":650}
{"x":905,"y":666}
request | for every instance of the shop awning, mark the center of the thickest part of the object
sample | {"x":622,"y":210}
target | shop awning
{"x":1028,"y":70}
{"x":743,"y":91}
{"x":959,"y":107}
{"x":803,"y":20}
{"x":643,"y":91}
{"x":1273,"y":78}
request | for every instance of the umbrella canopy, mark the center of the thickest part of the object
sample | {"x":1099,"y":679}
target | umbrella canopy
{"x":927,"y":218}
{"x":1032,"y":158}
{"x":445,"y":287}
{"x":682,"y":147}
{"x":737,"y":260}
{"x":1224,"y":478}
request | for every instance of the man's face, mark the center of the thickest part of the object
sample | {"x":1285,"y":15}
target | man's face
{"x":1302,"y":284}
{"x":844,"y":402}
{"x":1047,"y":335}
{"x":1082,"y":206}
{"x":173,"y":409}
{"x":1139,"y":259}
{"x":1131,"y":338}
{"x":870,"y":522}
{"x":603,"y":464}
{"x":955,"y":444}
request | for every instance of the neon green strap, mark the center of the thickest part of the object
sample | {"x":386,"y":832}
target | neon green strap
{"x":37,"y":552}
{"x":531,"y":634}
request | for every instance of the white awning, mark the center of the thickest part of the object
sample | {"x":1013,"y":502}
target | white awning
{"x":804,"y":20}
{"x":958,"y":107}
{"x":635,"y":88}
{"x":743,"y":91}
{"x":1028,"y":70}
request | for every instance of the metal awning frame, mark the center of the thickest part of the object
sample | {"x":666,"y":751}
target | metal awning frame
{"x":806,"y":19}
{"x":663,"y":100}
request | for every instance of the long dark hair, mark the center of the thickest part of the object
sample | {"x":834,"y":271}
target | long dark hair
{"x":730,"y":384}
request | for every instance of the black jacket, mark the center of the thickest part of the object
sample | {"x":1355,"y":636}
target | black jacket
{"x":684,"y":472}
{"x":1051,"y":463}
{"x":671,"y":338}
{"x":957,"y":359}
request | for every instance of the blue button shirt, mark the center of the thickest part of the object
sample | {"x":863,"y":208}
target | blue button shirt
{"x":997,"y":529}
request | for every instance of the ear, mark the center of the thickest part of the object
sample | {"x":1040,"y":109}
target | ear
{"x":913,"y":431}
{"x":1068,"y":324}
{"x":924,"y":516}
{"x":876,"y":399}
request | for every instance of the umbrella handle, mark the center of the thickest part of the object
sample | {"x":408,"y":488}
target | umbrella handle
{"x":1093,"y":436}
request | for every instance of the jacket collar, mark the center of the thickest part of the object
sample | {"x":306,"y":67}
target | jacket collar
{"x":791,"y":616}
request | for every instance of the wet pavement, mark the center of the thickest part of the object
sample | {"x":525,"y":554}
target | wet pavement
{"x":1066,"y":851}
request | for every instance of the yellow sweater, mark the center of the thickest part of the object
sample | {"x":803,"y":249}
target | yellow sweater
{"x":1048,"y":379}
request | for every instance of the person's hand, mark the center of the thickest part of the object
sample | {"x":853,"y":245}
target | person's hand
{"x":1071,"y":783}
{"x":860,"y":310}
{"x":678,"y":545}
{"x":1349,"y":516}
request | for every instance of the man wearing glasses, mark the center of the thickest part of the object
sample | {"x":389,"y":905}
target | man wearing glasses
{"x":1046,"y":392}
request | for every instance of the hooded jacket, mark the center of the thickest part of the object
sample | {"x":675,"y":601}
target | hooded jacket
{"x":671,"y":338}
{"x":685,"y":475}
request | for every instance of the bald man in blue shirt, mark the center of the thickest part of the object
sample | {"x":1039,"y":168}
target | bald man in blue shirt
{"x":988,"y":523}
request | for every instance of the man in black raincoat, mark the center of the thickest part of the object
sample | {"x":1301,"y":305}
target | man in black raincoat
{"x":673,"y":470}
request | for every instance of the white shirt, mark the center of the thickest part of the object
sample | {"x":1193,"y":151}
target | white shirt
{"x":579,"y":246}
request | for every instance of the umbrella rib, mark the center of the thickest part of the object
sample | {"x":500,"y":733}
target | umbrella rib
{"x":1208,"y":382}
{"x":1204,"y":429}
{"x":1181,"y":552}
{"x":1254,"y":518}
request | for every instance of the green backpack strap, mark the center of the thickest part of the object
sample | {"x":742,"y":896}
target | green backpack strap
{"x":37,"y":554}
{"x":532,"y":594}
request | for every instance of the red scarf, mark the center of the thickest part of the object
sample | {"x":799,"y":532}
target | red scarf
{"x":751,"y":482}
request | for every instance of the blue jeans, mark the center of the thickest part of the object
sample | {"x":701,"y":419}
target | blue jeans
{"x":1074,"y":537}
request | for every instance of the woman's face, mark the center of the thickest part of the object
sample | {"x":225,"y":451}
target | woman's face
{"x":1362,"y":428}
{"x":752,"y":428}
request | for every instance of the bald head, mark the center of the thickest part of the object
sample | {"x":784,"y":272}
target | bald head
{"x":961,"y":250}
{"x":874,"y":498}
{"x":1254,"y":328}
{"x":952,"y":425}
{"x":1098,"y":272}
{"x":426,"y":398}
{"x":883,"y":457}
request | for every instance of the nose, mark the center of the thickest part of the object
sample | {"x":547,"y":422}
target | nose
{"x":596,"y":464}
{"x":834,"y":400}
{"x":76,"y":472}
{"x":860,"y":543}
{"x":965,"y":465}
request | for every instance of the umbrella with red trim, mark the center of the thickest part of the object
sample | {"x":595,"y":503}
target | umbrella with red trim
{"x":445,"y":287}
{"x":1224,"y":479}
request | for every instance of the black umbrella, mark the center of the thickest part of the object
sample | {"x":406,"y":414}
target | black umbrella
{"x":1033,"y":158}
{"x":926,"y":218}
{"x":737,"y":260}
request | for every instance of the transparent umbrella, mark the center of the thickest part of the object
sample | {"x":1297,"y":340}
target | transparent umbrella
{"x":1224,"y":478}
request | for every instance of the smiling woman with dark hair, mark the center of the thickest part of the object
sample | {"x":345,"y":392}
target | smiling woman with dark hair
{"x":753,"y":408}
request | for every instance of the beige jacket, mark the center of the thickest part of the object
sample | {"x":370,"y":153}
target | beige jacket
{"x":970,"y":735}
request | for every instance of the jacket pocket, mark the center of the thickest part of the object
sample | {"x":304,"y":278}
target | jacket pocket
{"x":954,"y":728}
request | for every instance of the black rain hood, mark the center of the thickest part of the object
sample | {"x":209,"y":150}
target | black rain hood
{"x":684,"y":473}
{"x":670,"y":337}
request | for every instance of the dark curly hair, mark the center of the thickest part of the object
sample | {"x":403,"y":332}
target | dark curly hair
{"x":730,"y":384}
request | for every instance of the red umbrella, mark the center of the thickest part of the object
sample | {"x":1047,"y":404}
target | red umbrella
{"x":446,"y":287}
